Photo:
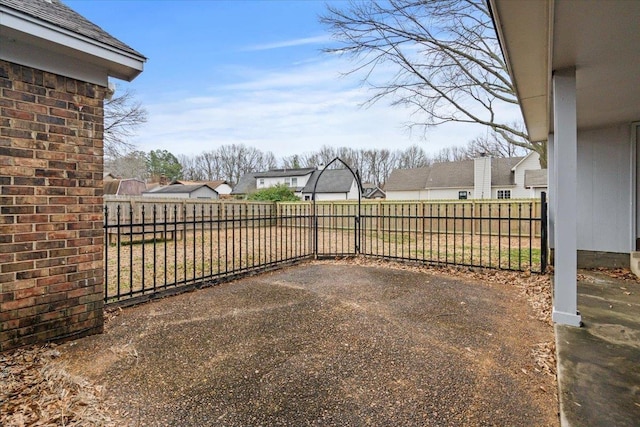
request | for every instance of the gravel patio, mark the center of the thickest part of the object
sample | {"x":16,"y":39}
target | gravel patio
{"x":338,"y":344}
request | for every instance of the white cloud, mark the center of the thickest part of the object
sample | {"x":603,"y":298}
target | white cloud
{"x":288,"y":112}
{"x":322,"y":39}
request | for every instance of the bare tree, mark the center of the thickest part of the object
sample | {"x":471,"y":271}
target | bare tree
{"x":444,"y":55}
{"x":130,"y":165}
{"x":209,"y":164}
{"x":122,"y":116}
{"x":453,"y":154}
{"x":412,"y":157}
{"x":190,"y":168}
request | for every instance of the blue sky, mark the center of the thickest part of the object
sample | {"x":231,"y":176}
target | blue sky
{"x":250,"y":72}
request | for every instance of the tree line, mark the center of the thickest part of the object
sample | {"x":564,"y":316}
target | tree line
{"x":230,"y":162}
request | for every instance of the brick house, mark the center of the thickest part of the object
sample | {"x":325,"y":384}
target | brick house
{"x":54,"y":70}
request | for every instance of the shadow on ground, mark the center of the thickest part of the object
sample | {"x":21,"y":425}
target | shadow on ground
{"x":323,"y":344}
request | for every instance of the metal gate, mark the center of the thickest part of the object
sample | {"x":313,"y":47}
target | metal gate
{"x":336,"y":227}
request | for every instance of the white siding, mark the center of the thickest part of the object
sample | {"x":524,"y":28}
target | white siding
{"x":448,"y":193}
{"x":530,"y":162}
{"x":270,"y":182}
{"x":407,"y":195}
{"x":204,"y":193}
{"x":482,"y":177}
{"x":353,"y":192}
{"x":517,"y":192}
{"x":331,"y":196}
{"x":604,"y":195}
{"x":223,"y":189}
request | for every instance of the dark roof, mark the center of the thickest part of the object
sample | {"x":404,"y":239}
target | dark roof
{"x":407,"y":179}
{"x":331,"y":181}
{"x":212,"y":184}
{"x":246,"y":184}
{"x":57,"y":13}
{"x":450,"y":175}
{"x":372,"y":192}
{"x":275,"y":173}
{"x":535,"y":178}
{"x":174,"y":189}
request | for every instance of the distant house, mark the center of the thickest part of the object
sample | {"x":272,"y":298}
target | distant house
{"x":480,"y":178}
{"x":124,"y":187}
{"x":335,"y":184}
{"x":372,"y":191}
{"x":222,"y":187}
{"x":194,"y":191}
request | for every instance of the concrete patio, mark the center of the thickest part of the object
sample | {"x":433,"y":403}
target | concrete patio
{"x":599,"y":363}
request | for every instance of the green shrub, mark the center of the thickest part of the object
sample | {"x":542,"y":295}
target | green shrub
{"x":277,"y":193}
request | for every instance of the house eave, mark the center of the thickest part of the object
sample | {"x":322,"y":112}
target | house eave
{"x":29,"y":41}
{"x":524,"y":39}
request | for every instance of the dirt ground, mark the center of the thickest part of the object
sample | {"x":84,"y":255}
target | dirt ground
{"x":337,"y":344}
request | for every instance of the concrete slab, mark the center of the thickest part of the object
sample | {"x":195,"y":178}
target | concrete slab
{"x":599,"y":364}
{"x":326,"y":345}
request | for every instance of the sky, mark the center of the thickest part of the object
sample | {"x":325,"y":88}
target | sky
{"x":253,"y":73}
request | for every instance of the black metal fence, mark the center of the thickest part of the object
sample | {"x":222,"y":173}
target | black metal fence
{"x":156,"y":247}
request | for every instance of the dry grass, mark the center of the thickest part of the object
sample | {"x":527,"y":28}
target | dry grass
{"x":210,"y":252}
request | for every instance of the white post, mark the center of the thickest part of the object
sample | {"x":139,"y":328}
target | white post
{"x":565,"y":301}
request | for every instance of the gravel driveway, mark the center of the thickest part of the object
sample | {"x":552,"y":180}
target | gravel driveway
{"x":322,"y":344}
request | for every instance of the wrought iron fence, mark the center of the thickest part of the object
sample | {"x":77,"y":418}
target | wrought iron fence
{"x":155,"y":247}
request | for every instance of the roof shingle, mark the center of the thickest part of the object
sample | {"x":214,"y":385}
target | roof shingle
{"x":57,"y":13}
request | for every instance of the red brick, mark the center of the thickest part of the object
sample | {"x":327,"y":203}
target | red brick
{"x":16,"y":304}
{"x":15,"y":114}
{"x":48,"y":251}
{"x":17,"y":266}
{"x":29,"y":292}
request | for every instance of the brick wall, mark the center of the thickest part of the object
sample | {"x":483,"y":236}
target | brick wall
{"x":51,"y":239}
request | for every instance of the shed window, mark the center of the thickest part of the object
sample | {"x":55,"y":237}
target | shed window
{"x":462,"y":195}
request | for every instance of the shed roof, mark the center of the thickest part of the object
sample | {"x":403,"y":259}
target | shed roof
{"x":177,"y":189}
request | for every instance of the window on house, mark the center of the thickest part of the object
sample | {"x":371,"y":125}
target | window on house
{"x":462,"y":195}
{"x":294,"y":182}
{"x":261,"y":182}
{"x":504,"y":194}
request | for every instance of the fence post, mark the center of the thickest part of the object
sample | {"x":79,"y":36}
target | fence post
{"x":544,"y":243}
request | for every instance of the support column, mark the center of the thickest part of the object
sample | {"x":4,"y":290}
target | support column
{"x":551,"y":189}
{"x":565,"y":295}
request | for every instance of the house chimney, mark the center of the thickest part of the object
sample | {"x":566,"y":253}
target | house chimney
{"x":482,"y":177}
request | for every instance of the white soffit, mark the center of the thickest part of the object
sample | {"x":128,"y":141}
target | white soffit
{"x":19,"y":30}
{"x":601,"y":39}
{"x":523,"y":27}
